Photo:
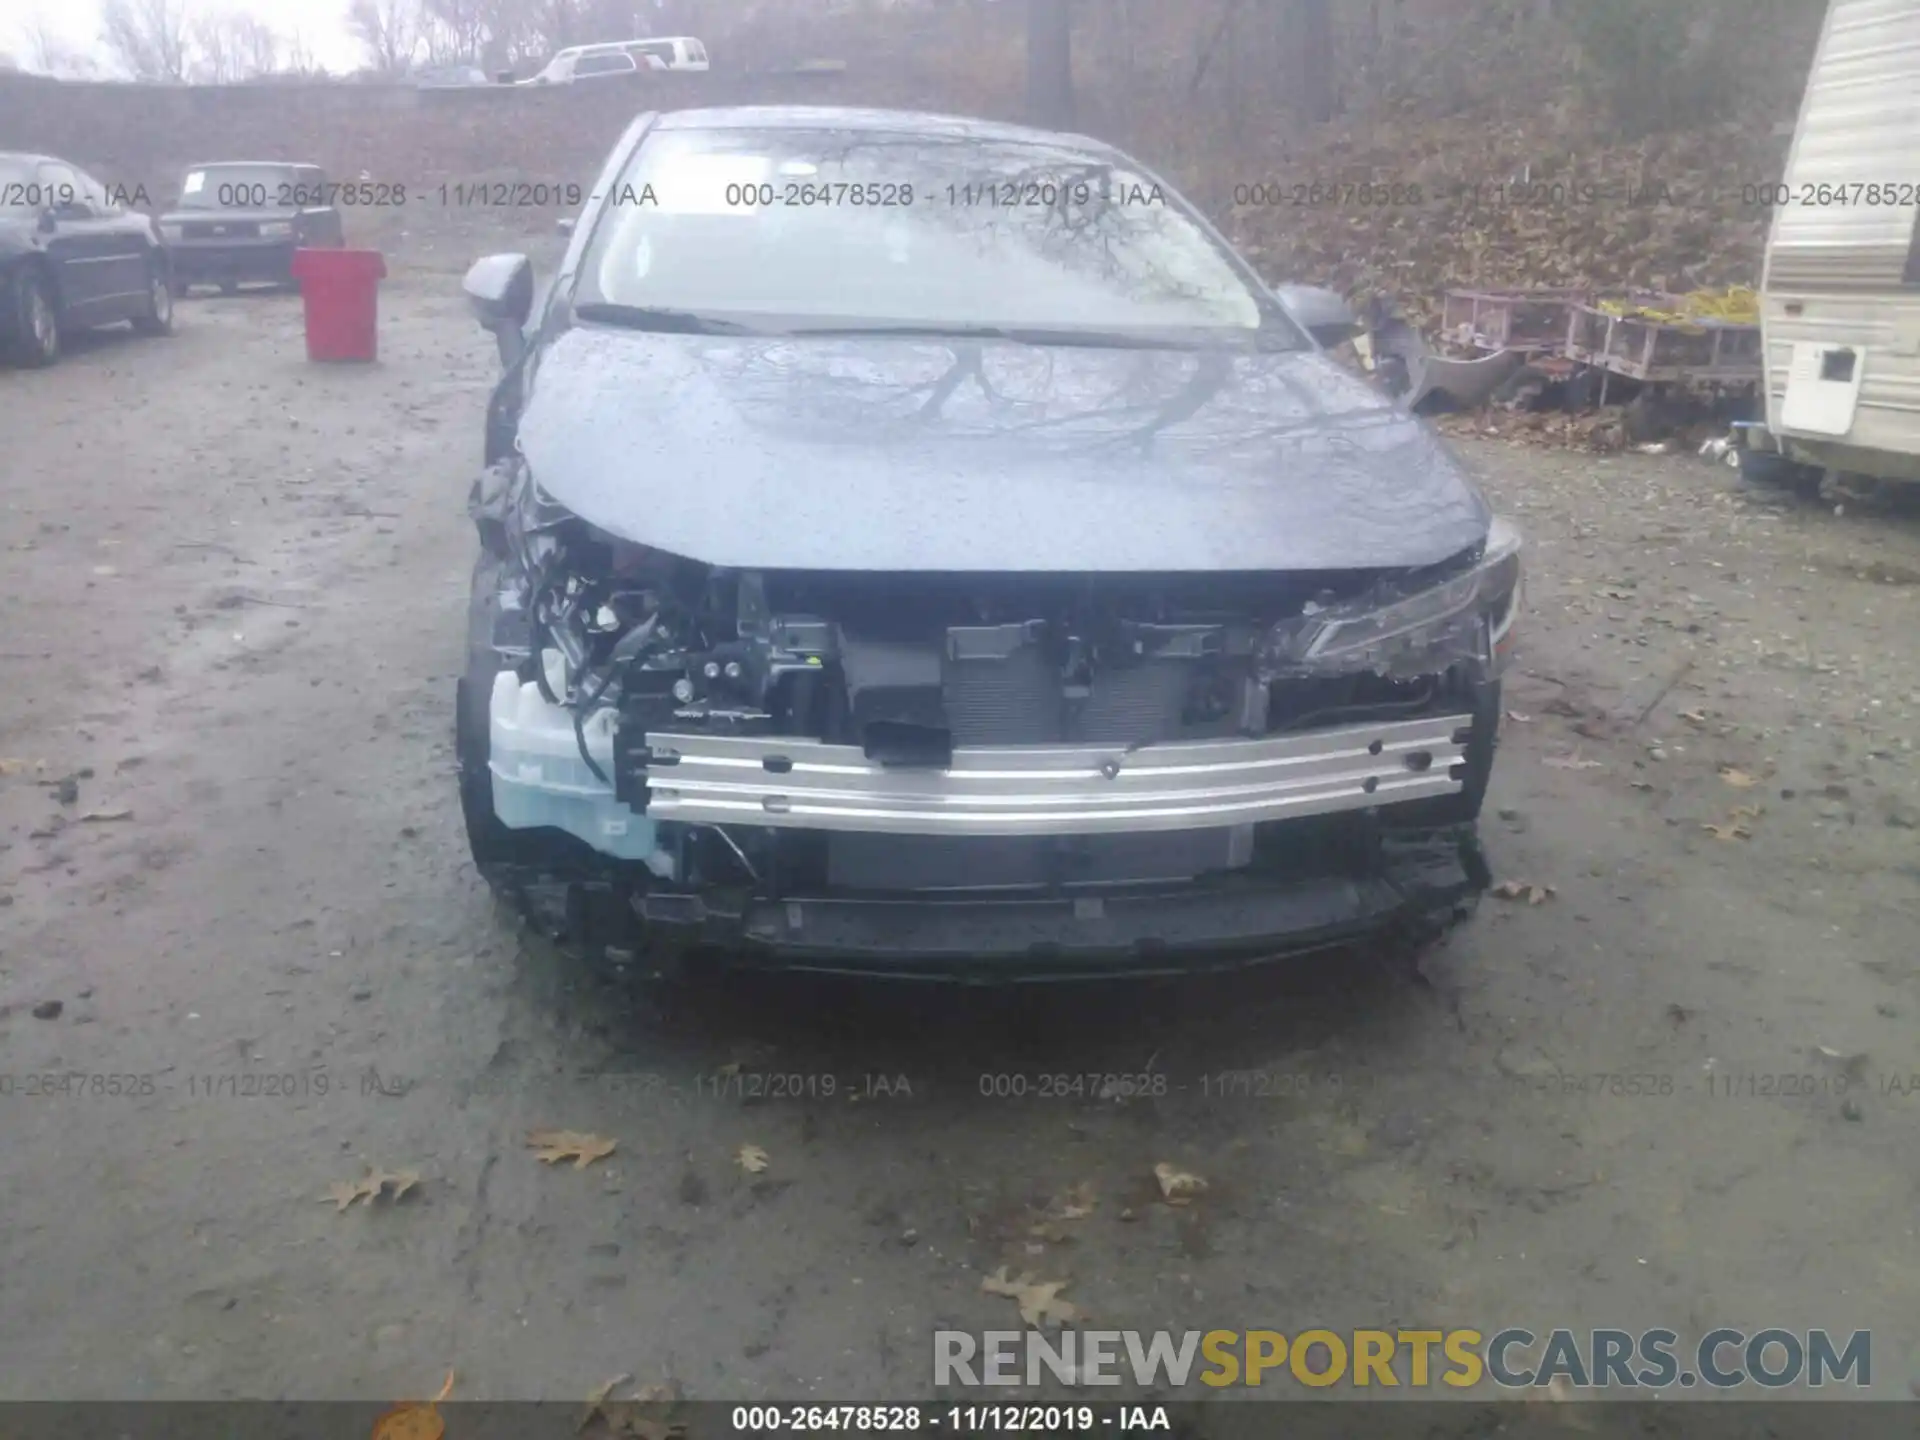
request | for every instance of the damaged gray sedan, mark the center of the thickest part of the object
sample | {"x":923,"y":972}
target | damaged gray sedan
{"x":919,"y":546}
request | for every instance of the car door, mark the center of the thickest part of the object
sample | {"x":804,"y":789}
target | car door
{"x":123,"y":238}
{"x":77,"y":243}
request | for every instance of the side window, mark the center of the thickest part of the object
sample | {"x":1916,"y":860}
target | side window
{"x":311,"y":181}
{"x":95,"y":194}
{"x":60,"y":185}
{"x":602,"y":64}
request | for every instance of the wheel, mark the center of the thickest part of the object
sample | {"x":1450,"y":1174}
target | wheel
{"x":36,"y":322}
{"x":157,"y":318}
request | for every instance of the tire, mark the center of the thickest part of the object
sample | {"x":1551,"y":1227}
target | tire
{"x":492,"y":843}
{"x":157,"y":318}
{"x":35,"y":322}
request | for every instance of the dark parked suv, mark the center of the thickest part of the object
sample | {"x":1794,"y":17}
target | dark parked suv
{"x":240,"y":221}
{"x":72,"y":255}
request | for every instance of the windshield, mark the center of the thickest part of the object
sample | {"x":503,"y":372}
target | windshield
{"x":236,"y":187}
{"x":876,"y":230}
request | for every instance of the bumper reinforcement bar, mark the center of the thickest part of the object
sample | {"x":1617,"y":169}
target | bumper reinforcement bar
{"x":1054,"y":789}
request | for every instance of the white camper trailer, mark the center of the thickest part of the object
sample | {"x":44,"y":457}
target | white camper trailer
{"x":1840,"y":298}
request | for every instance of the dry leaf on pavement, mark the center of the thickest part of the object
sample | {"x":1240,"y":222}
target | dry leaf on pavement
{"x":626,"y":1417}
{"x":1524,"y":890}
{"x":369,"y":1187}
{"x":415,"y":1419}
{"x":1572,"y":762}
{"x":1177,"y":1187}
{"x":550,"y":1146}
{"x":1078,"y":1202}
{"x":752,"y":1159}
{"x":1039,"y":1300}
{"x":1730,"y":831}
{"x":1739,"y":779}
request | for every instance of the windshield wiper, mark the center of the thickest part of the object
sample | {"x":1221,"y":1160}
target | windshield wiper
{"x":654,"y":317}
{"x":1018,"y":334}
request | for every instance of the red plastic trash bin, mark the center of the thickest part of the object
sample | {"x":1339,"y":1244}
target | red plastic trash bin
{"x":341,"y":292}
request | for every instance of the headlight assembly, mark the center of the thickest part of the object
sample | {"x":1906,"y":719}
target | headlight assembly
{"x":1396,"y":631}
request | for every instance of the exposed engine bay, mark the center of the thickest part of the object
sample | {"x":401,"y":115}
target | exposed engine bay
{"x":769,"y":733}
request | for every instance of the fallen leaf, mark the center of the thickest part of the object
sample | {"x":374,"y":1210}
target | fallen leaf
{"x":1039,"y":1300}
{"x":751,"y":1158}
{"x":1728,"y":832}
{"x":1177,"y":1187}
{"x":1694,"y":717}
{"x":625,"y":1417}
{"x":97,"y":816}
{"x":1515,"y":715}
{"x":1739,"y":779}
{"x":1572,"y":762}
{"x":1745,"y":812}
{"x":1078,"y":1203}
{"x":370,"y":1187}
{"x":597,"y":1400}
{"x":20,"y":767}
{"x":1524,"y":890}
{"x":414,"y":1419}
{"x":550,"y":1146}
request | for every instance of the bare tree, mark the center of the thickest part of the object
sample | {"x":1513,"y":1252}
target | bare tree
{"x":299,"y":59}
{"x":49,"y":54}
{"x":256,"y":46}
{"x":148,"y":37}
{"x":214,"y":62}
{"x":454,"y":30}
{"x":1314,"y":91}
{"x":230,"y":46}
{"x":1050,"y":62}
{"x":389,"y":32}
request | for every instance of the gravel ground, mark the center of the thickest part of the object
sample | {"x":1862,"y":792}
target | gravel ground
{"x":234,"y":616}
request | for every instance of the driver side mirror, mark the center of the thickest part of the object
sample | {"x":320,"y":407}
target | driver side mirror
{"x":1322,"y":313}
{"x":499,"y":288}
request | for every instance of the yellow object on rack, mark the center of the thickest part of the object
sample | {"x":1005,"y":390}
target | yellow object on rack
{"x":1736,"y":305}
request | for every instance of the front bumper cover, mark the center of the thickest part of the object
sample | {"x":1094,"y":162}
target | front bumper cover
{"x":1423,"y":883}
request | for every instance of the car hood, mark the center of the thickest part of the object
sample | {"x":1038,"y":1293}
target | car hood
{"x":908,"y":454}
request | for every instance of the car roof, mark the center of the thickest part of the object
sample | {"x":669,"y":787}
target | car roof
{"x":252,"y":164}
{"x":847,"y":117}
